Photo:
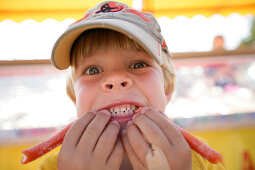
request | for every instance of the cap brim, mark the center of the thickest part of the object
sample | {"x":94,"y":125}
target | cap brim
{"x":61,"y":51}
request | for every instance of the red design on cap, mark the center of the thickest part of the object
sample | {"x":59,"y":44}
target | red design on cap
{"x":110,"y":7}
{"x":107,"y":7}
{"x":113,"y":7}
{"x":138,"y":13}
{"x":164,"y":44}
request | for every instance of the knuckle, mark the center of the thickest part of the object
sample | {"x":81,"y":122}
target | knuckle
{"x":73,"y":129}
{"x":166,"y":125}
{"x":153,"y":132}
{"x":108,"y":139}
{"x":92,"y":131}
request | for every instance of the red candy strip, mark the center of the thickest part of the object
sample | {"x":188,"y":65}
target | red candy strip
{"x":204,"y":150}
{"x":42,"y":148}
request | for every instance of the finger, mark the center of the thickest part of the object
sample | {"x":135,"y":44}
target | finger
{"x":117,"y":155}
{"x":172,"y":134}
{"x":152,"y":132}
{"x":90,"y":137}
{"x":155,"y":159}
{"x":107,"y":141}
{"x":134,"y":160}
{"x":75,"y":132}
{"x":137,"y":141}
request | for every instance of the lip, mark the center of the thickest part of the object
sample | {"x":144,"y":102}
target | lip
{"x":121,"y":103}
{"x":122,"y":119}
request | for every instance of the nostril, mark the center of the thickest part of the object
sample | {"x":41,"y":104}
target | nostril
{"x":124,"y":84}
{"x":109,"y":86}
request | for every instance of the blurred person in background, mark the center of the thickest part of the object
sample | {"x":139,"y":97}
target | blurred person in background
{"x":218,"y":43}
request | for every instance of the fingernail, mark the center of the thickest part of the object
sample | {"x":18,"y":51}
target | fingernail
{"x":93,"y":111}
{"x":116,"y":123}
{"x":144,"y":110}
{"x":106,"y":112}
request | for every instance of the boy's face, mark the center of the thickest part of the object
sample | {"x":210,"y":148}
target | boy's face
{"x":119,"y":80}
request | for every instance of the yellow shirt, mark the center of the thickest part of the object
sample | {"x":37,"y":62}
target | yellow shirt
{"x":198,"y":162}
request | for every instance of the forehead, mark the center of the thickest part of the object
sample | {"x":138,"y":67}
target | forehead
{"x":93,"y":40}
{"x":116,"y":54}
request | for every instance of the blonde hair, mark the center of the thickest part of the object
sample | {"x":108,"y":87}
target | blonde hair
{"x":90,"y":41}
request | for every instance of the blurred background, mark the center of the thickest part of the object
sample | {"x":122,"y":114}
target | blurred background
{"x":213,"y":49}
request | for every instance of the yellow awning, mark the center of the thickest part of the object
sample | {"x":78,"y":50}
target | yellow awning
{"x":39,"y":10}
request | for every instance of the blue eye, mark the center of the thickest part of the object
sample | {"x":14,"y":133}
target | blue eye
{"x":139,"y":65}
{"x":93,"y":70}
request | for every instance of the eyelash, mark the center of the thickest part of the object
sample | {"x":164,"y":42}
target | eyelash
{"x":92,"y":66}
{"x":140,"y":62}
{"x":101,"y":70}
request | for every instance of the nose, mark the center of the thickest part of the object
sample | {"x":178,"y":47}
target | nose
{"x":117,"y":81}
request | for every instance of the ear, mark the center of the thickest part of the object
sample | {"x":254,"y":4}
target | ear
{"x":74,"y":100}
{"x":70,"y":87}
{"x":168,"y":95}
{"x":71,"y":93}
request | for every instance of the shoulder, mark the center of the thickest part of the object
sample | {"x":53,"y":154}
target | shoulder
{"x":199,"y":163}
{"x":49,"y":162}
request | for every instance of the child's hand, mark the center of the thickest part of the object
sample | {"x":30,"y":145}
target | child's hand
{"x":153,"y":136}
{"x":92,"y":144}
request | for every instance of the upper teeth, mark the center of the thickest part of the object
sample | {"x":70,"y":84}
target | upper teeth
{"x":122,"y":110}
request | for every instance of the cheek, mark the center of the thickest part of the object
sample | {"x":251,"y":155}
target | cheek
{"x":85,"y":92}
{"x":152,"y":85}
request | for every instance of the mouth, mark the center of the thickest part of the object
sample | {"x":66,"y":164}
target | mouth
{"x":123,"y":112}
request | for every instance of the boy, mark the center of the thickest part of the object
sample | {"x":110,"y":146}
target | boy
{"x":119,"y":63}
